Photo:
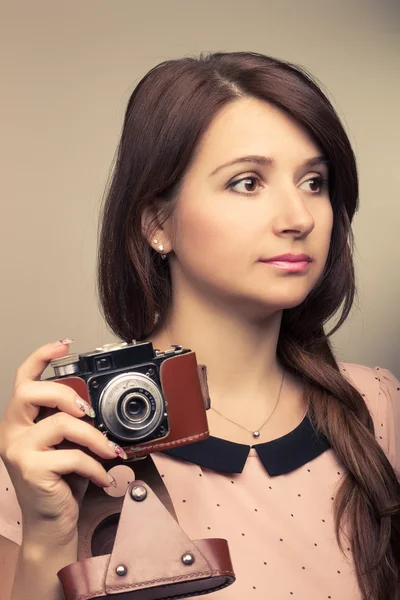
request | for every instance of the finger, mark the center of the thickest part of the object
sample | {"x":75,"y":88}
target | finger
{"x":35,"y":364}
{"x":64,"y":462}
{"x":31,"y":395}
{"x":58,"y":427}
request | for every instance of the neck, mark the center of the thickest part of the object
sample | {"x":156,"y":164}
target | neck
{"x":242,"y":366}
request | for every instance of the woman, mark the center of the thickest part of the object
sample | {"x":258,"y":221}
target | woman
{"x":226,"y":162}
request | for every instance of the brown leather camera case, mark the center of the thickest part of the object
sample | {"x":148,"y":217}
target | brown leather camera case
{"x":184,"y":385}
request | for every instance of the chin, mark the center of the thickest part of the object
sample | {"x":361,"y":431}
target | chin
{"x":283,"y":298}
{"x":260,"y":307}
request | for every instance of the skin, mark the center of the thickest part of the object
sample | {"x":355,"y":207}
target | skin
{"x":49,"y":505}
{"x":226,"y":305}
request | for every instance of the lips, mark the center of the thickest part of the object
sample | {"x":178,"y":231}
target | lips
{"x":288,"y":258}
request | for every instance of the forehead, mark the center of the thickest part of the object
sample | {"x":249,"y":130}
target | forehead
{"x":252,"y":126}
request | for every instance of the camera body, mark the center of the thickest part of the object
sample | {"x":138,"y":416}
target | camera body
{"x":144,"y":399}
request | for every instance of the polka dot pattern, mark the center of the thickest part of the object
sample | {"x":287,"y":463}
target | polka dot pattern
{"x":280,"y":529}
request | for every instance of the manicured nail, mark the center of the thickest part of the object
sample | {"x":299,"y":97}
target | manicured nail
{"x":118,"y":450}
{"x":112,"y":480}
{"x":85,"y":408}
{"x":63,"y":342}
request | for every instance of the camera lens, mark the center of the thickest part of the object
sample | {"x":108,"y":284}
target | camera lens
{"x":135,"y":408}
{"x":131,"y":407}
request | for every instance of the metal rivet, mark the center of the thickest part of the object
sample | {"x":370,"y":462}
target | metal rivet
{"x":121,"y":570}
{"x":188,"y":559}
{"x":138,"y":493}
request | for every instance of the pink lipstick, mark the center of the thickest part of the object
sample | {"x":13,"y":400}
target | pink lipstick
{"x":292,"y":263}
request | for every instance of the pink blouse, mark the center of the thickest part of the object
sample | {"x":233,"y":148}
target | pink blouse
{"x":272,"y":502}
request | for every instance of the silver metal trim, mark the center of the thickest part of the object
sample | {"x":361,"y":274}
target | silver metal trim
{"x":109,"y":398}
{"x":64,"y":360}
{"x":66,"y":365}
{"x":111,"y":346}
{"x":67,"y":370}
{"x":121,"y":570}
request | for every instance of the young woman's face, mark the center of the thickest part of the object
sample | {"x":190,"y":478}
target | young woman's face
{"x":228,"y":218}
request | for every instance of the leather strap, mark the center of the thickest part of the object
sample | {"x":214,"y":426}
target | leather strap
{"x":148,"y":550}
{"x":99,"y":513}
{"x":202,"y":371}
{"x":146,"y":470}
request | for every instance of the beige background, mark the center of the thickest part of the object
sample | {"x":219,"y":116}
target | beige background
{"x":67,"y":70}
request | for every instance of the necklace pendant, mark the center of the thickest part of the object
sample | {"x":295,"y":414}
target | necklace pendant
{"x":256,"y":434}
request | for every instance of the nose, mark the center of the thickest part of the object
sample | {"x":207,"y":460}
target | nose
{"x":292,"y":215}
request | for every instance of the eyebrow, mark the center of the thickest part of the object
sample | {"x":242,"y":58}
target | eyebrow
{"x":265,"y":160}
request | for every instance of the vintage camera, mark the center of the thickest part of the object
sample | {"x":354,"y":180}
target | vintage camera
{"x":144,"y":399}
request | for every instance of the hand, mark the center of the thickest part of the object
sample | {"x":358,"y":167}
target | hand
{"x":50,"y":502}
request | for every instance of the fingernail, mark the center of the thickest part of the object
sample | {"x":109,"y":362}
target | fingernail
{"x":112,"y":480}
{"x":85,"y":407}
{"x":63,"y":342}
{"x":118,"y":450}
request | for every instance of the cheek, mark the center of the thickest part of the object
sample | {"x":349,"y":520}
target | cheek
{"x":321,"y":235}
{"x":208,"y":233}
{"x":326,"y":221}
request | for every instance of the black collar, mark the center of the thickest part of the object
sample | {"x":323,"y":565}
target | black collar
{"x":279,"y":456}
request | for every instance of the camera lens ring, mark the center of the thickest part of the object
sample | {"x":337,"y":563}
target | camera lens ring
{"x":125,"y":408}
{"x":110,"y":398}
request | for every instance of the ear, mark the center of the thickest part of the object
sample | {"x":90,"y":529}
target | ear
{"x":154,"y":225}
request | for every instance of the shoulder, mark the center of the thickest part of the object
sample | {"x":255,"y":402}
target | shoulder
{"x":380,"y":389}
{"x":10,"y":513}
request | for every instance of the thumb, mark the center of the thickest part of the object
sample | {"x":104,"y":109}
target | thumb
{"x":35,"y":364}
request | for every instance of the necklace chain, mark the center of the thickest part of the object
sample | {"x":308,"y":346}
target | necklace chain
{"x":255,"y":433}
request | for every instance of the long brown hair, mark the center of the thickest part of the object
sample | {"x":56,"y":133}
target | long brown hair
{"x":167,"y":114}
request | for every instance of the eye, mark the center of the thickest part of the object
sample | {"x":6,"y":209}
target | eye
{"x":317,"y":184}
{"x":247,"y":181}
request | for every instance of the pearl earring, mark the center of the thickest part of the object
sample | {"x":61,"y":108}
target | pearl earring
{"x":161,"y":248}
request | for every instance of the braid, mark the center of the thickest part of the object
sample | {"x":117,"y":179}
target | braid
{"x":369,"y":498}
